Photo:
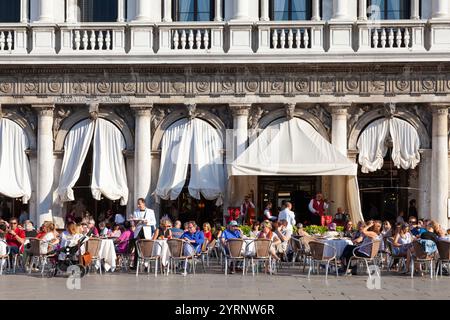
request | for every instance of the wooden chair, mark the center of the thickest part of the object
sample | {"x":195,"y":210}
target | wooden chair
{"x":145,"y":249}
{"x":374,"y":248}
{"x":444,"y":255}
{"x":318,"y":256}
{"x":421,"y":257}
{"x":93,"y":246}
{"x":39,"y":256}
{"x":233,"y":252}
{"x":262,"y":254}
{"x":392,"y":256}
{"x":177,"y":254}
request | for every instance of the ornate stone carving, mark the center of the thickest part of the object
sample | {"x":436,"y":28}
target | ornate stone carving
{"x":223,"y":114}
{"x":256,"y":114}
{"x":227,"y":84}
{"x":251,"y":85}
{"x":93,"y":110}
{"x":6,"y":87}
{"x":353,"y":117}
{"x":290,"y":110}
{"x":203,"y":85}
{"x":104,"y":87}
{"x":192,"y":110}
{"x":126,"y":114}
{"x":276,"y":85}
{"x":79,"y":87}
{"x":351,"y":85}
{"x":60,"y":114}
{"x":178,"y":86}
{"x":402,"y":85}
{"x":159,"y":113}
{"x":327,"y":85}
{"x":320,"y":112}
{"x":54,"y":85}
{"x":129,"y":87}
{"x":152,"y":86}
{"x":302,"y":85}
{"x":428,"y":84}
{"x":390,"y":110}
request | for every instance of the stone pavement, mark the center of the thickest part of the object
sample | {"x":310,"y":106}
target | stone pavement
{"x":288,"y":284}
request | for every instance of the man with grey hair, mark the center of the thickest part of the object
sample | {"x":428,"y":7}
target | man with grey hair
{"x":288,"y":215}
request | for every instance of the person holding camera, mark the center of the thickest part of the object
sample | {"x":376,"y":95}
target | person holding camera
{"x":15,"y":237}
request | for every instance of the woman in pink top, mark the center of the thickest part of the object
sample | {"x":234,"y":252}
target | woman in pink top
{"x":124,"y":239}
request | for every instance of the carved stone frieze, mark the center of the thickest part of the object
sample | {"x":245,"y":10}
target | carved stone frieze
{"x":159,"y":113}
{"x":60,"y":113}
{"x":227,"y":81}
{"x":256,"y":113}
{"x":322,"y":114}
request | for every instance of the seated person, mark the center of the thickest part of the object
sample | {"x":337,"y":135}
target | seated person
{"x":402,"y":241}
{"x":340,"y":218}
{"x":177,"y":232}
{"x":207,"y":231}
{"x":266,"y":233}
{"x":416,"y":230}
{"x":255,"y":229}
{"x":104,"y":231}
{"x":331,"y":233}
{"x":116,"y":232}
{"x":163,"y":232}
{"x":348,"y":230}
{"x":284,"y":234}
{"x":122,"y":243}
{"x":15,"y":237}
{"x":232,"y":232}
{"x":194,"y":237}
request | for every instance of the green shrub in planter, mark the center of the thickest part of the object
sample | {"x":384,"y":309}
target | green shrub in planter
{"x":246,"y":230}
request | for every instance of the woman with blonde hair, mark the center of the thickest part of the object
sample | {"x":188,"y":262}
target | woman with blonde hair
{"x":266,"y":233}
{"x":163,"y":232}
{"x":207,"y":231}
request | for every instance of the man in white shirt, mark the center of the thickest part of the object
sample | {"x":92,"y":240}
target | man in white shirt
{"x":288,"y":215}
{"x":145,"y":221}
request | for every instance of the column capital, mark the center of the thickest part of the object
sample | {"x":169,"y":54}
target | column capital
{"x":142,"y":109}
{"x":439,"y":108}
{"x":339,"y":108}
{"x":44,"y":109}
{"x":240,"y":109}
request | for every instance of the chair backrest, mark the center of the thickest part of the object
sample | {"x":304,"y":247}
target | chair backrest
{"x":317,"y":249}
{"x":35,"y":249}
{"x":418,"y":250}
{"x":145,"y":248}
{"x":235,"y":247}
{"x":262,"y":248}
{"x":212,"y":244}
{"x":295,"y":244}
{"x":93,"y":246}
{"x":175,"y":247}
{"x":304,"y":242}
{"x":375,"y":248}
{"x":444,"y":250}
{"x":205,"y":245}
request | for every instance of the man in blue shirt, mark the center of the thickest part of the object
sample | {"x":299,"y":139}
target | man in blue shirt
{"x":194,"y":237}
{"x":232,"y":232}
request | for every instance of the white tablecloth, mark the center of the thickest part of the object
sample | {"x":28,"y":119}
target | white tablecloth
{"x":338,"y":244}
{"x":162,"y":251}
{"x":108,"y":254}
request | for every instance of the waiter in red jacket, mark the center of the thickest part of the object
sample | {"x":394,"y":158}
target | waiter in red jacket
{"x":317,"y":207}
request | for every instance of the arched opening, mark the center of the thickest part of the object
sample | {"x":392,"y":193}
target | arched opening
{"x":388,"y":171}
{"x":93,"y":178}
{"x":191,"y":178}
{"x":15,"y":181}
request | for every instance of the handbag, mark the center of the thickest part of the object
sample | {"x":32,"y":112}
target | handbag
{"x":86,"y":259}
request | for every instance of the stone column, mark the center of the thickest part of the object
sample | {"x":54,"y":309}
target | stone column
{"x":439,"y":166}
{"x":240,"y":114}
{"x":72,"y":11}
{"x":315,"y":10}
{"x":240,"y":12}
{"x":340,"y":10}
{"x":24,"y":11}
{"x":339,"y":140}
{"x":44,"y":196}
{"x":121,"y":11}
{"x":440,"y":9}
{"x":423,"y":201}
{"x":362,"y":10}
{"x":46,"y":11}
{"x":239,"y":186}
{"x":143,"y":9}
{"x":218,"y":10}
{"x":142,"y":151}
{"x":167,"y":11}
{"x":415,"y":7}
{"x":265,"y":10}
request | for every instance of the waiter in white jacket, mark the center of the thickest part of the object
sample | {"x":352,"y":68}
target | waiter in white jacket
{"x":145,"y":221}
{"x":288,"y":215}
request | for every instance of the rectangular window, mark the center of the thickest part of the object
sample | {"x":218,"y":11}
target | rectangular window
{"x":285,"y":10}
{"x":389,"y":9}
{"x":194,"y":10}
{"x":9,"y":11}
{"x":98,"y":10}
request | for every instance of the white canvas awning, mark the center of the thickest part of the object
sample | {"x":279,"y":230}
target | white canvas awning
{"x":294,"y":147}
